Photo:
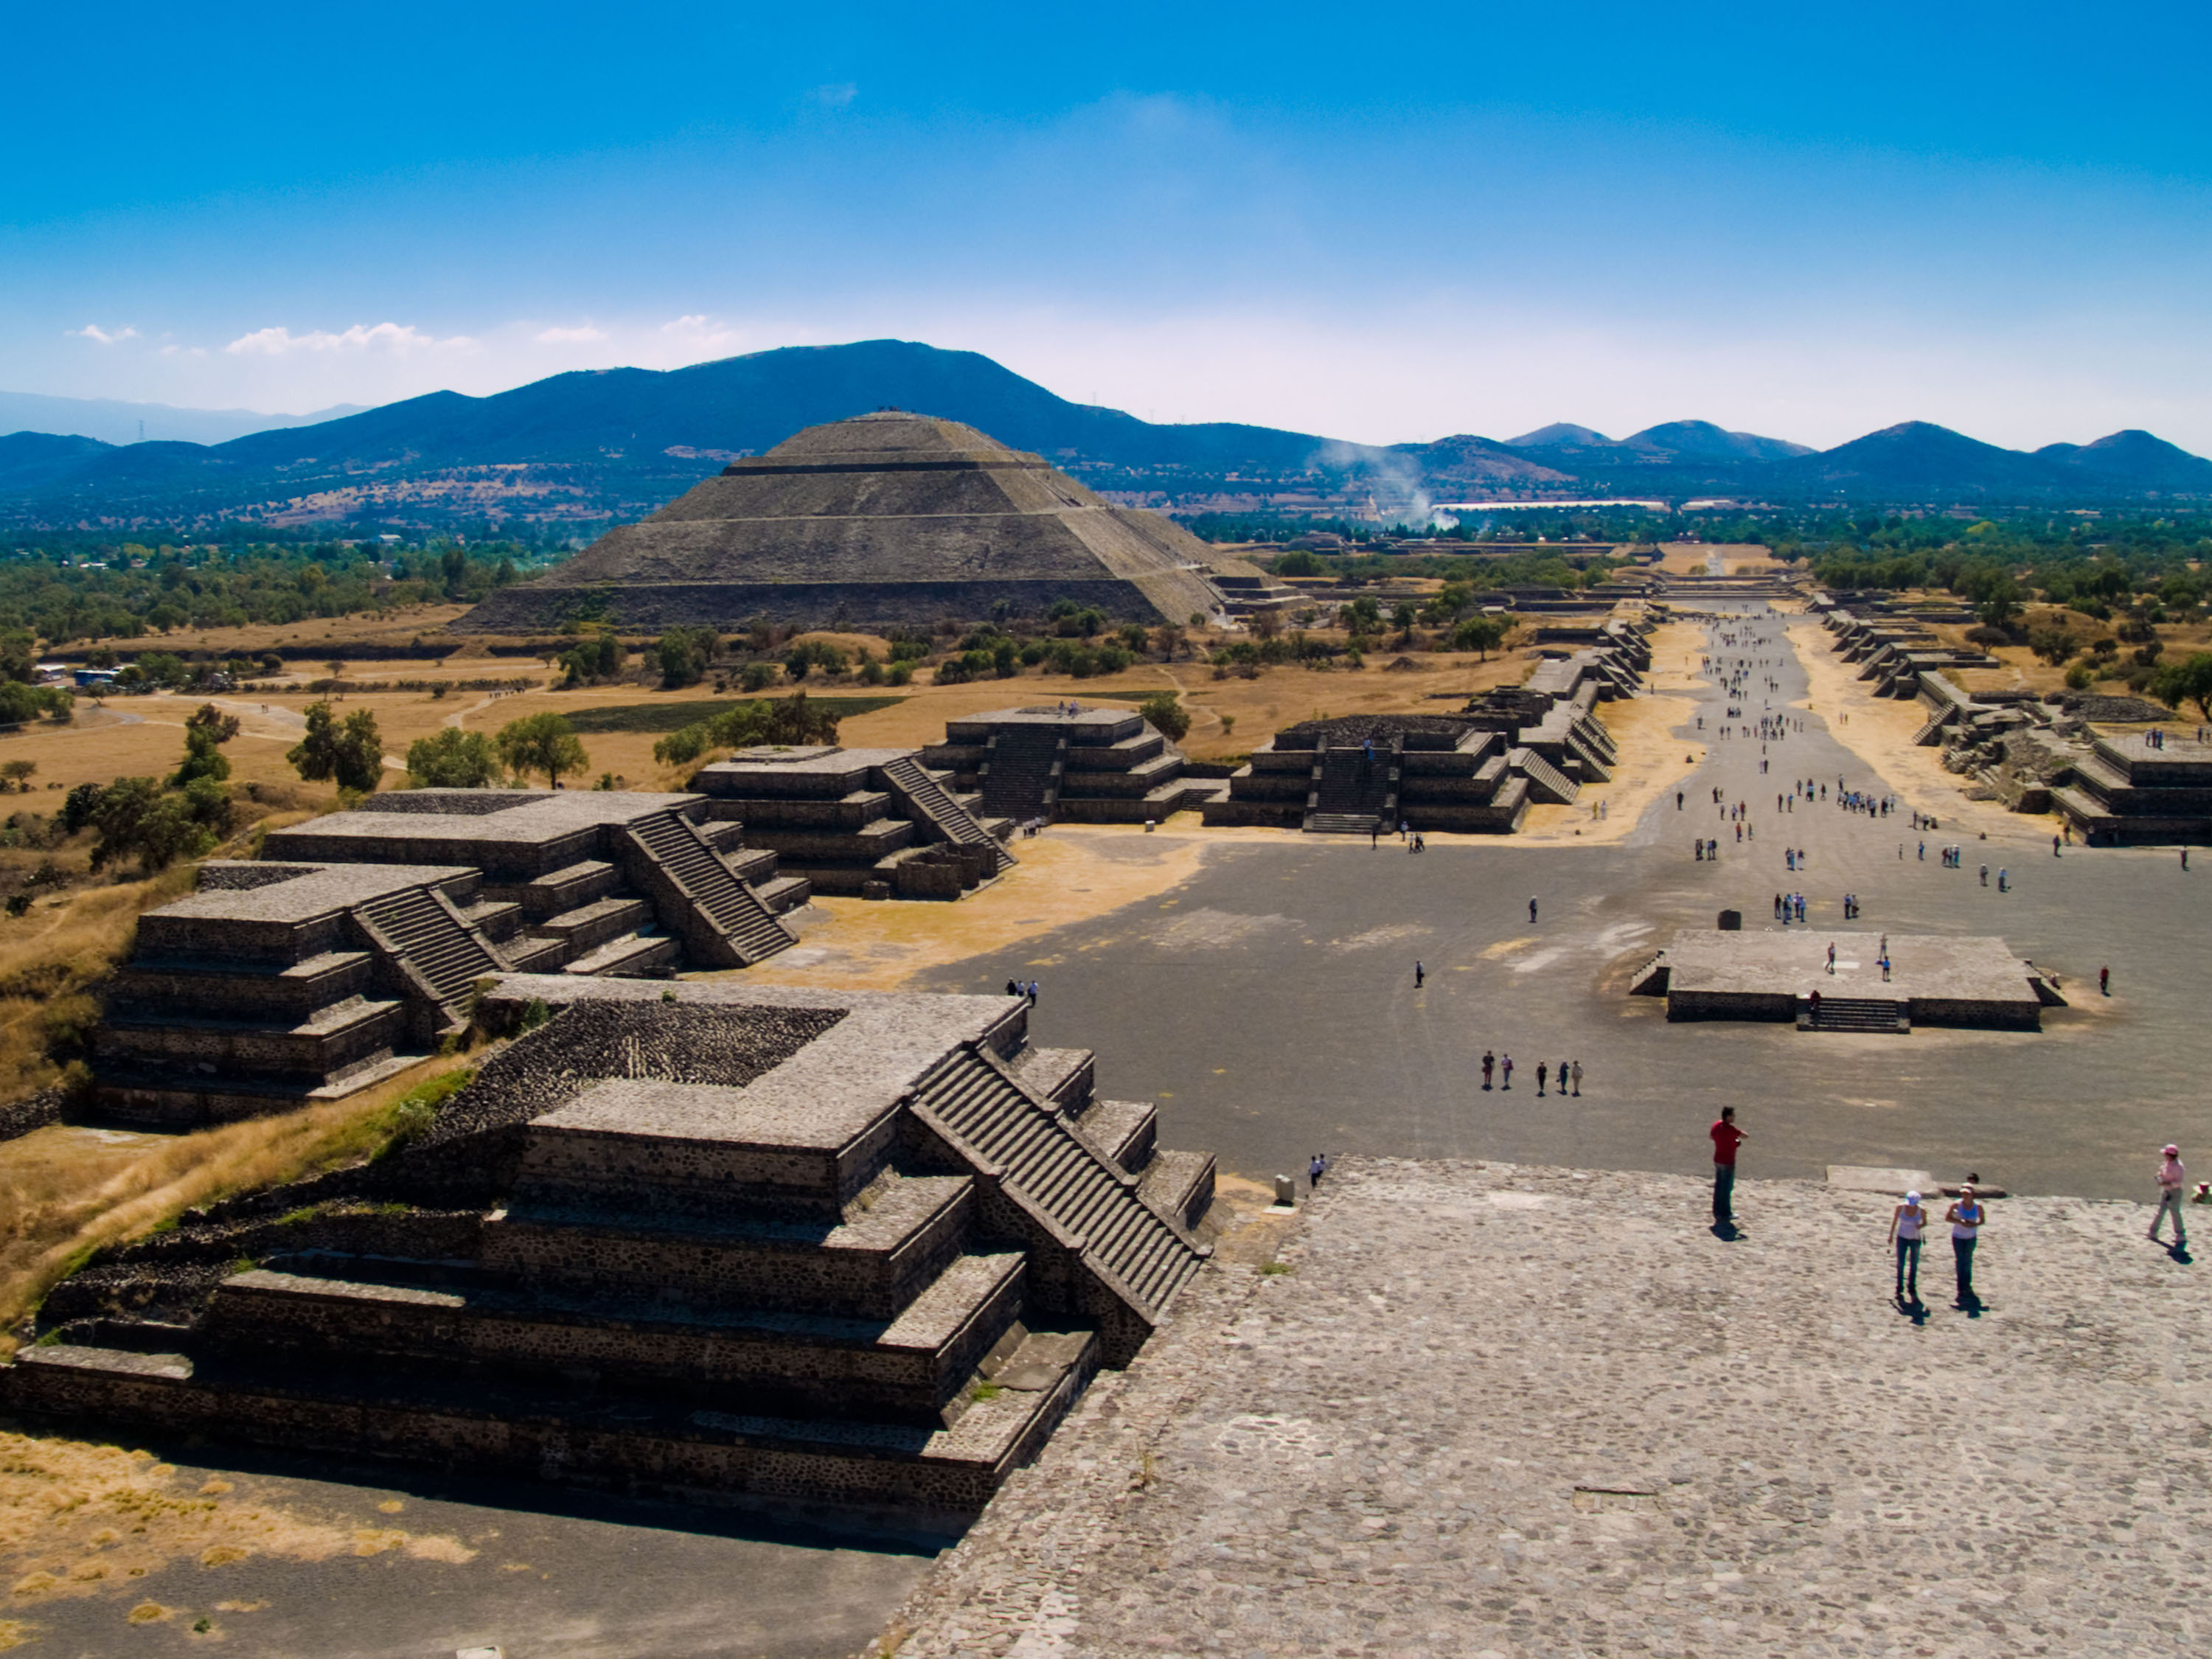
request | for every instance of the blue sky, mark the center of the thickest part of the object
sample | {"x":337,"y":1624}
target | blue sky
{"x":1384,"y":225}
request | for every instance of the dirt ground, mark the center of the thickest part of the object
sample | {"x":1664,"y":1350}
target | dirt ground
{"x":1652,"y":761}
{"x":1695,"y":558}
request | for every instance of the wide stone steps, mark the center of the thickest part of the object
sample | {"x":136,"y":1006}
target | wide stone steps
{"x":733,"y":908}
{"x":1021,"y":775}
{"x":1879,"y":1014}
{"x":928,"y":800}
{"x":1341,"y":823}
{"x":1058,"y":1170}
{"x":1546,"y":781}
{"x":422,"y":930}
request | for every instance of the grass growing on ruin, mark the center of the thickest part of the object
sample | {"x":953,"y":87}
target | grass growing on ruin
{"x":66,"y":1193}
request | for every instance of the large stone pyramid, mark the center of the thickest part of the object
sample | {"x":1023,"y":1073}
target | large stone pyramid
{"x":882,"y":519}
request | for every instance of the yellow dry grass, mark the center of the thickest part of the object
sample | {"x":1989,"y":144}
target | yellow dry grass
{"x":1695,"y":558}
{"x":66,"y":1192}
{"x":1074,"y":874}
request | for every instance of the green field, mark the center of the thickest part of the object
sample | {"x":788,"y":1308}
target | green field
{"x":675,"y":716}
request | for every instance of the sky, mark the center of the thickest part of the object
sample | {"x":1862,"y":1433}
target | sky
{"x":1387,"y":227}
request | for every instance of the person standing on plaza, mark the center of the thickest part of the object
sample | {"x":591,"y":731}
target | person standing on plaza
{"x":2172,"y":1182}
{"x":1905,"y":1223}
{"x":1489,"y":1064}
{"x":2104,"y":982}
{"x":1543,"y":1071}
{"x":1966,"y":1217}
{"x":1420,"y":974}
{"x":1577,"y":1069}
{"x":1726,"y":1139}
{"x":1506,"y":1066}
{"x":1532,"y":910}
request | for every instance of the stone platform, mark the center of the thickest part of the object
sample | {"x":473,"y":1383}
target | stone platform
{"x":1771,"y":974}
{"x":1501,"y":1412}
{"x":717,"y":1241}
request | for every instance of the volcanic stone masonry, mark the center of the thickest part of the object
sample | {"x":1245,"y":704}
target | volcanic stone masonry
{"x":356,"y":943}
{"x":710,"y":1241}
{"x":1781,"y":974}
{"x":889,"y":520}
{"x":2036,"y":754}
{"x":1478,"y":771}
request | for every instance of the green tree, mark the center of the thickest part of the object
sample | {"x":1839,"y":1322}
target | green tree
{"x":453,"y":759}
{"x":135,"y":817}
{"x":542,"y":743}
{"x":685,"y":653}
{"x":351,"y":751}
{"x":2188,"y":680}
{"x":1168,"y":715}
{"x":1481,"y":634}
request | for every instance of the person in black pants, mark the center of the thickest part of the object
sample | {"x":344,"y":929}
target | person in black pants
{"x":1965,"y":1217}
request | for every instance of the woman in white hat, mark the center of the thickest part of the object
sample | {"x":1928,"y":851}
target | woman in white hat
{"x":2172,"y":1182}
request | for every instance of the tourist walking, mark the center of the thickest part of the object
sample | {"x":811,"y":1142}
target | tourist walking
{"x":1013,"y":988}
{"x":1489,"y":1065}
{"x":2172,"y":1182}
{"x":1966,"y":1217}
{"x":1316,"y":1167}
{"x":1419,"y":974}
{"x":1532,"y":910}
{"x":2104,"y":982}
{"x":1577,"y":1069}
{"x":1905,"y":1223}
{"x":1506,"y":1067}
{"x":1542,"y":1072}
{"x":1726,"y":1139}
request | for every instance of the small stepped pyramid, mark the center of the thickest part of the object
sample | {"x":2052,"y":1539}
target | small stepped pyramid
{"x":1354,"y":792}
{"x":845,"y":1250}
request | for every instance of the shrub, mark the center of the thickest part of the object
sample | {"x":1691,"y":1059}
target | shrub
{"x":684,"y":654}
{"x":2081,"y":676}
{"x":758,"y":676}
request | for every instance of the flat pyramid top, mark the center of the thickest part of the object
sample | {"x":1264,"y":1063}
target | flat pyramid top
{"x":887,"y":436}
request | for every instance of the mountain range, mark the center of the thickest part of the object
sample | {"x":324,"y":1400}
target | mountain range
{"x":618,"y":443}
{"x":113,"y":421}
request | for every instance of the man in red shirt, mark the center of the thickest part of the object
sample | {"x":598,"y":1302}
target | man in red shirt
{"x":1726,"y":1139}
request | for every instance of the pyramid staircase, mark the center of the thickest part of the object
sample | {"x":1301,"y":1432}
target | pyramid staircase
{"x":1045,"y":1159}
{"x":1022,"y":770}
{"x":723,"y":921}
{"x":426,"y":943}
{"x":928,"y":801}
{"x":1352,"y":791}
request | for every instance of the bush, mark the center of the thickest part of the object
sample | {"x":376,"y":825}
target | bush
{"x":758,"y":676}
{"x":1168,"y":715}
{"x":2081,"y":676}
{"x":790,"y":720}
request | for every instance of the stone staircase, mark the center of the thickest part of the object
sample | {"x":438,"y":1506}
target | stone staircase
{"x":724,"y":922}
{"x":1546,"y":781}
{"x":1855,"y":1014}
{"x":925,"y":801}
{"x":1352,"y":791}
{"x":1058,"y":1170}
{"x":1022,"y":772}
{"x":426,"y":940}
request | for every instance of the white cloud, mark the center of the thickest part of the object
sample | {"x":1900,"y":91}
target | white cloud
{"x":94,"y":331}
{"x":384,"y":336}
{"x":703,"y":333}
{"x":836,"y":95}
{"x":583,"y":335}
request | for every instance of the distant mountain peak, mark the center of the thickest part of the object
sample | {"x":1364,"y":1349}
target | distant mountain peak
{"x":1560,"y":435}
